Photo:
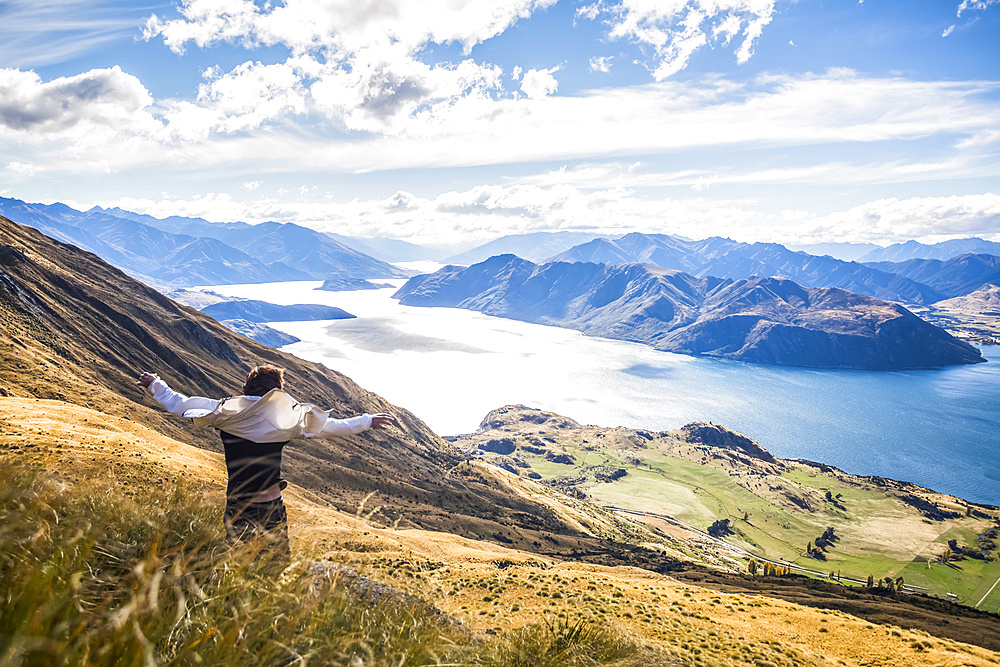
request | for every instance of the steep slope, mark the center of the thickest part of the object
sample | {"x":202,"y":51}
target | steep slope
{"x":973,"y":317}
{"x":308,"y":250}
{"x":952,"y":277}
{"x":763,"y":320}
{"x":318,"y":254}
{"x":901,"y":252}
{"x":73,"y":328}
{"x":723,"y":258}
{"x":204,"y":261}
{"x":983,"y":301}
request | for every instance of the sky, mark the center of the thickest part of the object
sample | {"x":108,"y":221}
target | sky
{"x":458,"y":121}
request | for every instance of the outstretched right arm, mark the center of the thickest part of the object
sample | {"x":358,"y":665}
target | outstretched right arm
{"x":173,"y":402}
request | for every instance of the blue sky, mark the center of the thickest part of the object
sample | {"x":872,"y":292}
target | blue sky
{"x":459,"y":121}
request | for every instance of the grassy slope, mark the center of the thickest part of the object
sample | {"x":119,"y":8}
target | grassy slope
{"x":673,"y":475}
{"x":648,"y":618}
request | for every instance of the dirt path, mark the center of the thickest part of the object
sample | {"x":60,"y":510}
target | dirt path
{"x":988,"y":592}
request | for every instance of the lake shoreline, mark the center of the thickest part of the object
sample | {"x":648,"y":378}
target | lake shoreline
{"x":938,"y":428}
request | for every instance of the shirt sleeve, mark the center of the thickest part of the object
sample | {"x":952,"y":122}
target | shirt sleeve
{"x":176,"y":403}
{"x":347,"y":426}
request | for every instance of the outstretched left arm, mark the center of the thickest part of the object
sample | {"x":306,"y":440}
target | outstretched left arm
{"x":357,"y":424}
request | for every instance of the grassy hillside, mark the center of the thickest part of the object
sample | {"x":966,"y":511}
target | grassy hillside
{"x":112,"y":553}
{"x":702,"y":474}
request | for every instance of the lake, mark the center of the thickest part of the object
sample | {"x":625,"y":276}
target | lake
{"x":937,"y":428}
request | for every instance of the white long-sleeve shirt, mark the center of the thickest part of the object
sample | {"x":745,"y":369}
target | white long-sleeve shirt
{"x":273,"y":417}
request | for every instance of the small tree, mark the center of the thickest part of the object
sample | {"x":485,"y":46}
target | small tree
{"x":752,"y":567}
{"x":871,"y":581}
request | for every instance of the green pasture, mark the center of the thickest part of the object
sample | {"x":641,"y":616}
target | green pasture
{"x":698,"y":495}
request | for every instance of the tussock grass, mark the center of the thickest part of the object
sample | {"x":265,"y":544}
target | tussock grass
{"x":91,"y":575}
{"x":558,"y":642}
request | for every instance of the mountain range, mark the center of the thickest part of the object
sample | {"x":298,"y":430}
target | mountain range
{"x":900,"y":252}
{"x":190,"y":251}
{"x":953,"y":277}
{"x":762,"y":320}
{"x":723,"y":258}
{"x":180,"y":251}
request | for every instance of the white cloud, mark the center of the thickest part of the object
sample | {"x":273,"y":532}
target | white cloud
{"x":839,"y":106}
{"x":538,"y":83}
{"x":678,"y":28}
{"x":21,"y":169}
{"x":340,"y":26}
{"x":714,"y":117}
{"x":358,"y":60}
{"x":601,"y":64}
{"x":486,"y":211}
{"x":251,"y":185}
{"x":975,"y":5}
{"x":928,"y":219}
{"x":947,"y":31}
{"x":109,"y":98}
{"x":634,"y":177}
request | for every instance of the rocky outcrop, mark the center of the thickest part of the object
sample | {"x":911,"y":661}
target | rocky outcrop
{"x":761,"y":320}
{"x":714,"y":435}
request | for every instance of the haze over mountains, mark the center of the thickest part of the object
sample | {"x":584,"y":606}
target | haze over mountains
{"x":723,"y":258}
{"x":178,"y":251}
{"x":900,"y":252}
{"x":762,"y":320}
{"x":953,"y":277}
{"x":188,"y":251}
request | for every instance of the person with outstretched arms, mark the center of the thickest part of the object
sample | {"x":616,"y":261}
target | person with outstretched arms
{"x":255,"y":427}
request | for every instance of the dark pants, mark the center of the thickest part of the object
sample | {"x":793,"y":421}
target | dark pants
{"x":266,"y":522}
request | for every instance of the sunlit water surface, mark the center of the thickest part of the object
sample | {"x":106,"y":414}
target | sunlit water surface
{"x":938,"y":428}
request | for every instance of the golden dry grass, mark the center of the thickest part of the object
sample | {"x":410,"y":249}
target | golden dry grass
{"x":490,"y":588}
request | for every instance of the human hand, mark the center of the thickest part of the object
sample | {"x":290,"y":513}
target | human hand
{"x":382,"y":420}
{"x":145,"y":380}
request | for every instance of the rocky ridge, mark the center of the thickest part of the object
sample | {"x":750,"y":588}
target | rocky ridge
{"x":761,"y":320}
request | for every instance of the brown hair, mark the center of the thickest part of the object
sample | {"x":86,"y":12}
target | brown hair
{"x":263,"y":379}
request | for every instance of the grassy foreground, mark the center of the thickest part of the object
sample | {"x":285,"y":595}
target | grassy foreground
{"x":118,"y":557}
{"x":93,"y":576}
